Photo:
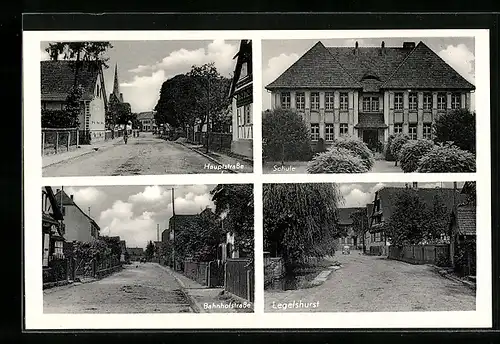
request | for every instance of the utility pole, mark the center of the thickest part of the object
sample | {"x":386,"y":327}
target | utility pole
{"x":173,"y":230}
{"x":452,"y":234}
{"x":208,"y":112}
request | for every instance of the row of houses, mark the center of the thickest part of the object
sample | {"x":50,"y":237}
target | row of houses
{"x":370,"y":92}
{"x":462,"y":216}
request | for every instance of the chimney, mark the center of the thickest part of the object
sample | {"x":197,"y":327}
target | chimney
{"x":382,"y":50}
{"x":408,"y":45}
{"x":71,"y":197}
{"x":57,"y":190}
{"x":415,"y":185}
{"x":356,"y":45}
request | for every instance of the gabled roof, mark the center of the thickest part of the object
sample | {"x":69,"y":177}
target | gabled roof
{"x":371,"y":68}
{"x":388,"y":197}
{"x":423,"y":68}
{"x":63,"y":198}
{"x":317,"y":68}
{"x":146,"y":115}
{"x":466,"y":220}
{"x":244,"y":55}
{"x":344,"y":214}
{"x":57,"y":79}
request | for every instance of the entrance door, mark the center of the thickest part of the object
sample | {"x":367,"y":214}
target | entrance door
{"x":370,"y":137}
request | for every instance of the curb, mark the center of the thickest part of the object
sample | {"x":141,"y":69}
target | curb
{"x":192,"y":302}
{"x":75,"y":157}
{"x":453,"y":278}
{"x":213,"y":160}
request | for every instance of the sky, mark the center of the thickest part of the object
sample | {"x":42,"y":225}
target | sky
{"x":360,"y":194}
{"x":133,"y":212}
{"x":143,"y":66}
{"x":278,"y":55}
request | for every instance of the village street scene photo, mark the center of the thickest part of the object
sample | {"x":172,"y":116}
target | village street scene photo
{"x":369,"y":105}
{"x":146,"y":107}
{"x":370,"y":247}
{"x":148,"y":249}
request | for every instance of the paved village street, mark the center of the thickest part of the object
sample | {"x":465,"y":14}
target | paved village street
{"x":143,"y":155}
{"x":377,"y":284}
{"x":147,"y":288}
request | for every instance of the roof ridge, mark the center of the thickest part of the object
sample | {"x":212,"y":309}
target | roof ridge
{"x":341,"y":66}
{"x":401,"y":64}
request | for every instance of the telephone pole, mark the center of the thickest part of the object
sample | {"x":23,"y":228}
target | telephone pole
{"x":452,"y":234}
{"x":173,"y":230}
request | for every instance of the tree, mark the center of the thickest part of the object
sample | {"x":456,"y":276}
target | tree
{"x":235,"y":202}
{"x":67,"y":117}
{"x":411,"y":153}
{"x":459,"y":127}
{"x":285,"y":136}
{"x":358,"y":148}
{"x":414,"y":221}
{"x":360,"y":224}
{"x":113,"y":243}
{"x":336,"y":160}
{"x":300,"y":220}
{"x":447,"y":158}
{"x":397,"y":142}
{"x":150,"y":250}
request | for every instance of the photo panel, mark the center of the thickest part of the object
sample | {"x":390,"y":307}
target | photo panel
{"x":370,"y":247}
{"x":148,"y":249}
{"x":350,"y":105}
{"x":142,"y":107}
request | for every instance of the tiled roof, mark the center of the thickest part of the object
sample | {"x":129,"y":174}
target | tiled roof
{"x":423,"y":68}
{"x":57,"y":79}
{"x":63,"y":198}
{"x":146,"y":115}
{"x":388,"y":197}
{"x":317,"y":68}
{"x":371,"y":120}
{"x":466,"y":220}
{"x":178,"y":222}
{"x":244,"y":55}
{"x":344,"y":215}
{"x":370,"y":68}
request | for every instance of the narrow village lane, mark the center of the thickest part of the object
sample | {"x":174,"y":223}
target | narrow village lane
{"x":377,"y":284}
{"x":139,"y":288}
{"x":143,"y":155}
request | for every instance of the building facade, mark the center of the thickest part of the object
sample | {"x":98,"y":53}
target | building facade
{"x":79,"y":225}
{"x":241,"y":93}
{"x":370,"y":92}
{"x":347,"y":227}
{"x":147,"y":120}
{"x":57,"y":80}
{"x":52,"y":228}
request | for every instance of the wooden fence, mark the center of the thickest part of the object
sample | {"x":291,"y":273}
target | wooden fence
{"x":197,"y":271}
{"x":420,"y":254}
{"x":239,"y":278}
{"x":58,"y":140}
{"x":218,"y":141}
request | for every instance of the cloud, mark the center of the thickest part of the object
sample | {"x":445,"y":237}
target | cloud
{"x":355,"y":196}
{"x":275,"y":67}
{"x":86,"y":196}
{"x":143,"y":91}
{"x":461,"y":59}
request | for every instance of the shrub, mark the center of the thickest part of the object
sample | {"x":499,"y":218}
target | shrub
{"x":285,"y":136}
{"x":444,"y":158}
{"x":388,"y":153}
{"x":336,"y":160}
{"x":320,"y":146}
{"x":397,"y":142}
{"x":459,"y":127}
{"x":412,"y":152}
{"x":358,"y":148}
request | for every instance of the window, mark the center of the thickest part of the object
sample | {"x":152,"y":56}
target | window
{"x":314,"y":131}
{"x":300,"y":100}
{"x":285,"y":100}
{"x":344,"y":101}
{"x":441,"y":105}
{"x":329,"y":100}
{"x":377,"y":236}
{"x":455,"y":101}
{"x":398,"y":101}
{"x":413,"y":101}
{"x":370,"y":104}
{"x":248,"y":115}
{"x":344,"y":129}
{"x":240,"y":118}
{"x":329,"y":132}
{"x":427,"y":101}
{"x":314,"y":100}
{"x":427,"y":131}
{"x":412,"y":131}
{"x":58,"y":248}
{"x":398,"y":128}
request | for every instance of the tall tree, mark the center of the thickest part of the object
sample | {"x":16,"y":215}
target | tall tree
{"x":150,"y":250}
{"x":360,"y":224}
{"x":459,"y":127}
{"x":235,"y":203}
{"x":300,"y":220}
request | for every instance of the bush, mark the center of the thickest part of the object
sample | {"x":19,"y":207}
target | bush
{"x":447,"y":158}
{"x":358,"y":148}
{"x":459,"y":127}
{"x":397,"y":142}
{"x":388,"y":153}
{"x":336,"y":160}
{"x":411,"y":153}
{"x":285,"y":136}
{"x":320,"y":146}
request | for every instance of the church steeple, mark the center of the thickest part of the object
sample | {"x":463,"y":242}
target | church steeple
{"x":116,"y":86}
